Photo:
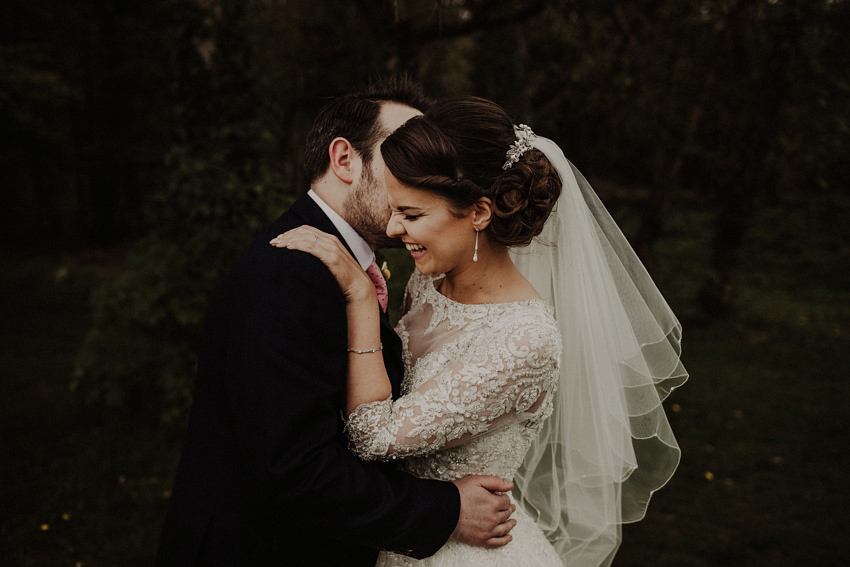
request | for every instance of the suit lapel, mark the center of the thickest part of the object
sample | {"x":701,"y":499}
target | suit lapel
{"x":306,"y":209}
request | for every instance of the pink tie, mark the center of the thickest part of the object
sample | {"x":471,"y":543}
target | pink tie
{"x":377,"y":278}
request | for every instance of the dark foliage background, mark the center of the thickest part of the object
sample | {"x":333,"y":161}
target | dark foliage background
{"x":144,"y":143}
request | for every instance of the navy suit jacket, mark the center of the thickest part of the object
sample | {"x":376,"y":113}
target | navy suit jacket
{"x":265,"y":477}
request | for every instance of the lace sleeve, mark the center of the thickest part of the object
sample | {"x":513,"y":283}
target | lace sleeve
{"x":509,"y":373}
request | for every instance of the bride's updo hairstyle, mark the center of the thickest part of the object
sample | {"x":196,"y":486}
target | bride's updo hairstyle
{"x":457,"y":151}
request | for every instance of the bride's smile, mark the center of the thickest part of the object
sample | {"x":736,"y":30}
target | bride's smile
{"x":416,"y":250}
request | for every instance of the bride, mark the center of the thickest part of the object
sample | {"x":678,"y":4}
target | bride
{"x":536,"y":346}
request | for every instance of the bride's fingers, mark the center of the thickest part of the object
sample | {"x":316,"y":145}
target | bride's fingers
{"x":301,"y":233}
{"x":330,"y":251}
{"x":320,"y":247}
{"x":326,"y":247}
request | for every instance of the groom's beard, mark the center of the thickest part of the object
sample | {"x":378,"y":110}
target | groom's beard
{"x":368,"y":212}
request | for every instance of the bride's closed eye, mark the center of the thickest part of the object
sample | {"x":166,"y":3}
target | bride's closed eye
{"x":408,"y":216}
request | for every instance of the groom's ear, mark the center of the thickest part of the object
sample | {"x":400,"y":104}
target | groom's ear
{"x":342,"y":157}
{"x":482,"y":213}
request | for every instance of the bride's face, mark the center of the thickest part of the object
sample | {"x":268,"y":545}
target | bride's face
{"x":440,"y":239}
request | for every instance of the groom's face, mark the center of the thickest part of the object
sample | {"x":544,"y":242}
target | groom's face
{"x":366,"y":205}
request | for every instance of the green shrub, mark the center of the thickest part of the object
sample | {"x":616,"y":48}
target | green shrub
{"x":142,"y":349}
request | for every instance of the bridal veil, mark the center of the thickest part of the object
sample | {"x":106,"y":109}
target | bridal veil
{"x":608,"y":445}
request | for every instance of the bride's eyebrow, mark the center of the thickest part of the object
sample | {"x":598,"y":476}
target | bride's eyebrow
{"x":403,"y":208}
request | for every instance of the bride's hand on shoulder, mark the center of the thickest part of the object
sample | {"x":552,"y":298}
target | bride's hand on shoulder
{"x":353,"y":281}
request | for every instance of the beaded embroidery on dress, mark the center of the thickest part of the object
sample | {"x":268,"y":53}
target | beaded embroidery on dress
{"x":479,"y":381}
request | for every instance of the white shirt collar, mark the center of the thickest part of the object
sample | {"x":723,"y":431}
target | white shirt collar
{"x":362,"y":251}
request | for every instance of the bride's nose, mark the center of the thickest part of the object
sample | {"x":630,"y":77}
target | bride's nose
{"x":394,"y":227}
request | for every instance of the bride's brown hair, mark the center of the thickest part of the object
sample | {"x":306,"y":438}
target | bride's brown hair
{"x":457,"y":151}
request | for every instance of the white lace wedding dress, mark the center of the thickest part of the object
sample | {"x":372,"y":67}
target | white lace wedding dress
{"x":478,"y":384}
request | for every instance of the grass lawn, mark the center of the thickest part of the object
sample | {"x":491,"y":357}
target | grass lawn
{"x":763,"y":424}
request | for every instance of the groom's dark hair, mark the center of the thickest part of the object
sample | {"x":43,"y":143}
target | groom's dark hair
{"x":354,"y":116}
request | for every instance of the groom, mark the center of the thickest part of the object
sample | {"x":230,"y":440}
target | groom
{"x":265,"y":477}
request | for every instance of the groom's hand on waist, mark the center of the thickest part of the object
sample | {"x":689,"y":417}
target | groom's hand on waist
{"x":485,"y":511}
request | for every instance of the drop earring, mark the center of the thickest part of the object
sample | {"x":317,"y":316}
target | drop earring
{"x":475,"y":253}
